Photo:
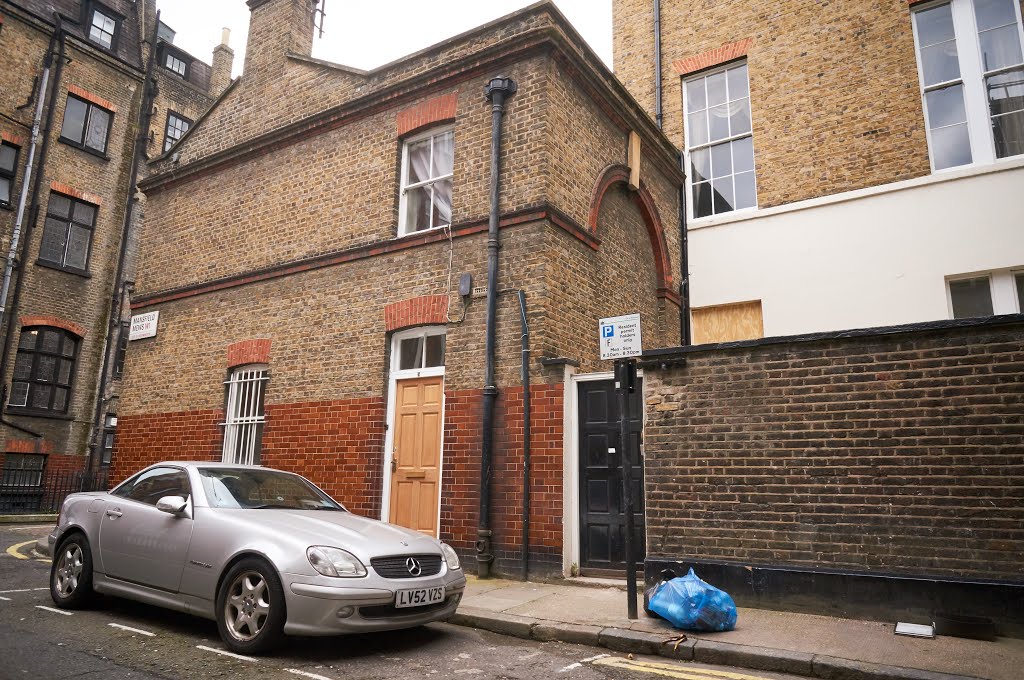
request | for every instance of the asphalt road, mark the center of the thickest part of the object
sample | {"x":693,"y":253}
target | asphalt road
{"x":119,"y":639}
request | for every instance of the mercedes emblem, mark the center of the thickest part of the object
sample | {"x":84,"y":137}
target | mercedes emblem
{"x":413,"y":565}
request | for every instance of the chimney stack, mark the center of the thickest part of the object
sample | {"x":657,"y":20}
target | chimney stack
{"x":223,"y":60}
{"x":277,"y":28}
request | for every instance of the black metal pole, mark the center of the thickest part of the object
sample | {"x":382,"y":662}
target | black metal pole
{"x":622,"y":387}
{"x":526,"y":433}
{"x":497,"y":91}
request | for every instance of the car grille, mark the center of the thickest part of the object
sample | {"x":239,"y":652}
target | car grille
{"x":386,"y":611}
{"x":396,"y":567}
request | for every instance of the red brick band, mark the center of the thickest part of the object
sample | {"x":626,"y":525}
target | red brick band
{"x":90,"y":97}
{"x":417,"y":311}
{"x":431,"y":111}
{"x":719,"y":55}
{"x":54,"y":322}
{"x":28,"y":446}
{"x":249,"y":352}
{"x":11,"y":138}
{"x":62,"y":188}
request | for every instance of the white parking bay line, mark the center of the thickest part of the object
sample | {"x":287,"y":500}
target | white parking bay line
{"x":314,"y":676}
{"x":55,"y":611}
{"x":132,"y":630}
{"x":23,"y":590}
{"x":223,"y":653}
{"x":5,"y":599}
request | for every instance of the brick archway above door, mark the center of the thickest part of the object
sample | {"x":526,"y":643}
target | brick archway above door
{"x":418,"y":311}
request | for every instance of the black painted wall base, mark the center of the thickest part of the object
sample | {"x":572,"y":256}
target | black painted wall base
{"x":873,"y":597}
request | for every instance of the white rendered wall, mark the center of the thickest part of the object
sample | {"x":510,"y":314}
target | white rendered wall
{"x":874,"y":257}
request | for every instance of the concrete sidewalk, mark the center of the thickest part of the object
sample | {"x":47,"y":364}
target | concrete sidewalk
{"x":801,"y":644}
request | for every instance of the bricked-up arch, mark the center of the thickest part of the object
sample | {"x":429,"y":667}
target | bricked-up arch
{"x":54,"y":322}
{"x":432,"y":111}
{"x":417,"y":311}
{"x":619,"y":174}
{"x":249,"y":352}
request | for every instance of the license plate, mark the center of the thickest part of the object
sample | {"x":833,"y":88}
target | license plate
{"x":418,"y":597}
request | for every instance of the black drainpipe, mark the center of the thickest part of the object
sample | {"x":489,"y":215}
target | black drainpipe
{"x":33,"y":214}
{"x":497,"y":91}
{"x":657,"y":62}
{"x":684,"y":261}
{"x":117,"y":296}
{"x":684,"y":269}
{"x":526,"y":432}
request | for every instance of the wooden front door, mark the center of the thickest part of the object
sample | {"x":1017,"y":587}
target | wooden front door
{"x":416,"y":458}
{"x":602,"y":520}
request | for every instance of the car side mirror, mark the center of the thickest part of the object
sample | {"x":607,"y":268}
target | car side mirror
{"x":171,"y":504}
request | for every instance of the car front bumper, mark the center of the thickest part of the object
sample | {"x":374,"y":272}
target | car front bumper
{"x":319,"y":608}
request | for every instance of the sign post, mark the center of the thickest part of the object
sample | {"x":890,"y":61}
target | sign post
{"x":620,"y":340}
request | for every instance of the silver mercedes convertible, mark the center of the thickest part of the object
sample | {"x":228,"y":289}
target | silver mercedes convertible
{"x":263,"y":552}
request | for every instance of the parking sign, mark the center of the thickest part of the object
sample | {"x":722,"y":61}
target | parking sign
{"x":620,"y":337}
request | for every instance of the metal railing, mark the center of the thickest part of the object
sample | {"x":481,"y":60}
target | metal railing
{"x":27,"y":492}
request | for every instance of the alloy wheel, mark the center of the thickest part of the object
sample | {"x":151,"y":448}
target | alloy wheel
{"x":69,"y":569}
{"x":247,"y":606}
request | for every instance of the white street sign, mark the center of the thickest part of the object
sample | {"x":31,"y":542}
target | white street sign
{"x":144,"y":326}
{"x":620,"y":337}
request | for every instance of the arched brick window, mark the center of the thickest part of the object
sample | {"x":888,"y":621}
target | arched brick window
{"x":44,"y":370}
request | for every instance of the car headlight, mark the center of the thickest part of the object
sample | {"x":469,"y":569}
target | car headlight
{"x":334,"y":562}
{"x":450,"y":556}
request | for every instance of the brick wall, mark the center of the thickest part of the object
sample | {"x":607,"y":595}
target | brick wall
{"x":339,"y":446}
{"x":834,"y":86}
{"x":892,"y":452}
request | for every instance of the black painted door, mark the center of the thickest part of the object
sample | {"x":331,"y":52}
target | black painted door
{"x":602,"y":521}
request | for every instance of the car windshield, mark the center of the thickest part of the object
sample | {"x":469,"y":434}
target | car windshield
{"x":257,"y":489}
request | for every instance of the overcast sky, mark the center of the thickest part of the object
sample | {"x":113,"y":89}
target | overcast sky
{"x":368,"y":34}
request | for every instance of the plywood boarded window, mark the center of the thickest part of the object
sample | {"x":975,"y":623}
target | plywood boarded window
{"x":726,"y":323}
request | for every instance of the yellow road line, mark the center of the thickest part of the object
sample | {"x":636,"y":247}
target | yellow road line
{"x":672,"y":670}
{"x":13,"y":550}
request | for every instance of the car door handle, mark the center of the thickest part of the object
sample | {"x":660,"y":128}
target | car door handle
{"x":113,"y":513}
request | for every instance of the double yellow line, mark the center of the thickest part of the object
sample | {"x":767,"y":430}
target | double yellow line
{"x":668,"y":670}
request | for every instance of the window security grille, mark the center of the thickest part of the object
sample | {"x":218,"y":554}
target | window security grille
{"x":243,"y":427}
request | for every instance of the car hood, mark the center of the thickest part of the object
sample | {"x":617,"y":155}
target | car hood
{"x":364,"y":538}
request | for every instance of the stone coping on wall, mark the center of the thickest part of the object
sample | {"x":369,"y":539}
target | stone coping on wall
{"x":653,"y":358}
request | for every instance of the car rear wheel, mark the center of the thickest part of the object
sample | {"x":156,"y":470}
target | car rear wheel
{"x":71,"y":573}
{"x":250,"y":607}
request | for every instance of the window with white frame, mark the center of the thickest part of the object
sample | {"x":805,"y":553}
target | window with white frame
{"x":985,"y":294}
{"x":173,"y":63}
{"x":245,"y":415}
{"x":177,"y":126}
{"x":719,"y":142}
{"x":971,"y":63}
{"x":428,"y":161}
{"x":418,"y":349}
{"x":103,"y":28}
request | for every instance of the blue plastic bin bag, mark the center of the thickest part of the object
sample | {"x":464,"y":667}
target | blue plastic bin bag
{"x":691,"y":604}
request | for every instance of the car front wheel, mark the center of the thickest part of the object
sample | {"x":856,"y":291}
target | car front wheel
{"x":250,"y":607}
{"x":71,"y":573}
